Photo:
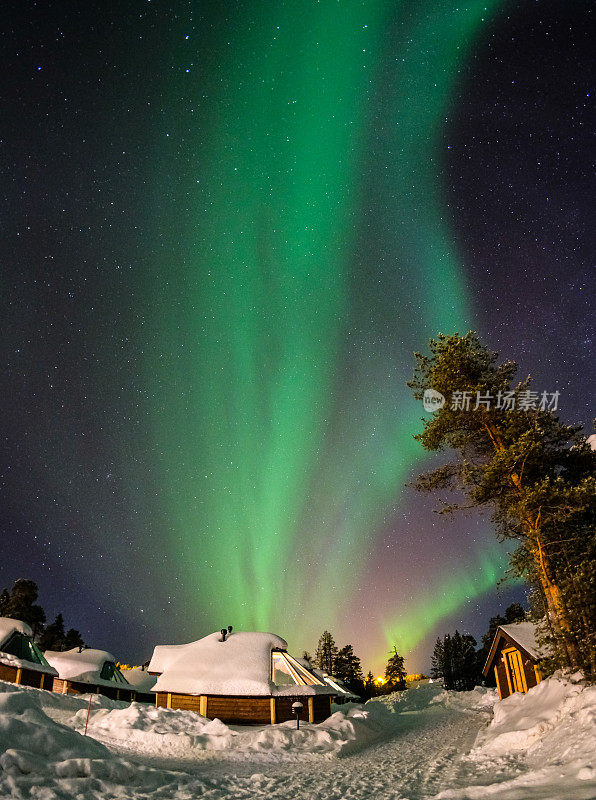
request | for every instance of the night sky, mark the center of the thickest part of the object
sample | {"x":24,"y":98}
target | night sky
{"x":225,"y":228}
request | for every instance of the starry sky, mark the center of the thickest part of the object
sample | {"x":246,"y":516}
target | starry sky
{"x":226,"y":226}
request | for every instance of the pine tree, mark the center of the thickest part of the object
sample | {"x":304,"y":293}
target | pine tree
{"x":369,"y":687}
{"x":464,"y":663}
{"x":73,"y":639}
{"x":455,"y":660}
{"x":326,"y":653}
{"x":395,"y":672}
{"x":21,"y":605}
{"x":53,"y":636}
{"x":4,"y":601}
{"x":536,"y":474}
{"x":369,"y":681}
{"x":307,"y":656}
{"x":437,"y":660}
{"x":347,"y":668}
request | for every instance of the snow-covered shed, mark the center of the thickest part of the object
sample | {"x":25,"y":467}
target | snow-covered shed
{"x":21,"y":660}
{"x":514,"y":657}
{"x":83,"y":670}
{"x":240,"y":677}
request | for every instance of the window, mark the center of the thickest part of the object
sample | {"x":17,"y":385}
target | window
{"x":282,"y":675}
{"x":110,"y":672}
{"x":24,"y":648}
{"x":286,"y":671}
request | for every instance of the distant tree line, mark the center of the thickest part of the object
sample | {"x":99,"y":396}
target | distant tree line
{"x":21,"y":603}
{"x":344,"y":664}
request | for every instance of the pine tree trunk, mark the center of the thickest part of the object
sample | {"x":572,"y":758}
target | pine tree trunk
{"x":556,"y":608}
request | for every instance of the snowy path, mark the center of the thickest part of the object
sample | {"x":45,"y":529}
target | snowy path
{"x":421,"y":758}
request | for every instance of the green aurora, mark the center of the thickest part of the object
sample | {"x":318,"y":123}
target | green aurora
{"x":417,"y":618}
{"x":281,"y":339}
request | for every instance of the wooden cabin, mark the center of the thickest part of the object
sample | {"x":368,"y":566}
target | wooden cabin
{"x":240,"y":677}
{"x":514,"y":657}
{"x":21,"y":660}
{"x":84,"y":670}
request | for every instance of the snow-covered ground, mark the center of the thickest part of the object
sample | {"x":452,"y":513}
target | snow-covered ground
{"x":422,"y":743}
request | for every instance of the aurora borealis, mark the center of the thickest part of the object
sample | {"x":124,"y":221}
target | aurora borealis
{"x":251,"y":217}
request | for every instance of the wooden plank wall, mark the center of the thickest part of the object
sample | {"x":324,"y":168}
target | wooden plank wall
{"x":31,"y":677}
{"x":24,"y":676}
{"x":529,"y":671}
{"x":322,"y":707}
{"x":247,"y":710}
{"x":502,"y":680}
{"x":240,"y":709}
{"x":283,"y":709}
{"x":8,"y":673}
{"x":189,"y":701}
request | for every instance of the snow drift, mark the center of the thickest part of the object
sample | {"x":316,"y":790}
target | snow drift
{"x":548,"y":736}
{"x":413,"y":744}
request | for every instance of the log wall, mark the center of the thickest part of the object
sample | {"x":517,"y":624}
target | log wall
{"x":76,"y":687}
{"x":248,"y":710}
{"x":25,"y":677}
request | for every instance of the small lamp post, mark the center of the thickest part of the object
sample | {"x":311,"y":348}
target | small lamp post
{"x":297,"y":709}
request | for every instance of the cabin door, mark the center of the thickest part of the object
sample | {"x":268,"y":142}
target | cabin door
{"x":516,"y":670}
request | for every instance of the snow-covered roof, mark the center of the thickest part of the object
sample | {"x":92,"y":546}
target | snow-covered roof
{"x":239,"y":666}
{"x":37,"y":663}
{"x":8,"y":626}
{"x":524,"y":633}
{"x":163,"y":656}
{"x":83,"y":666}
{"x":592,"y":441}
{"x":140,"y":679}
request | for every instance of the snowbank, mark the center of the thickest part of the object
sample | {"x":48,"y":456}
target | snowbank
{"x":41,"y":758}
{"x":183,"y":734}
{"x":352,"y":726}
{"x":520,"y":719}
{"x":413,"y":744}
{"x":548,"y":736}
{"x":433,"y":694}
